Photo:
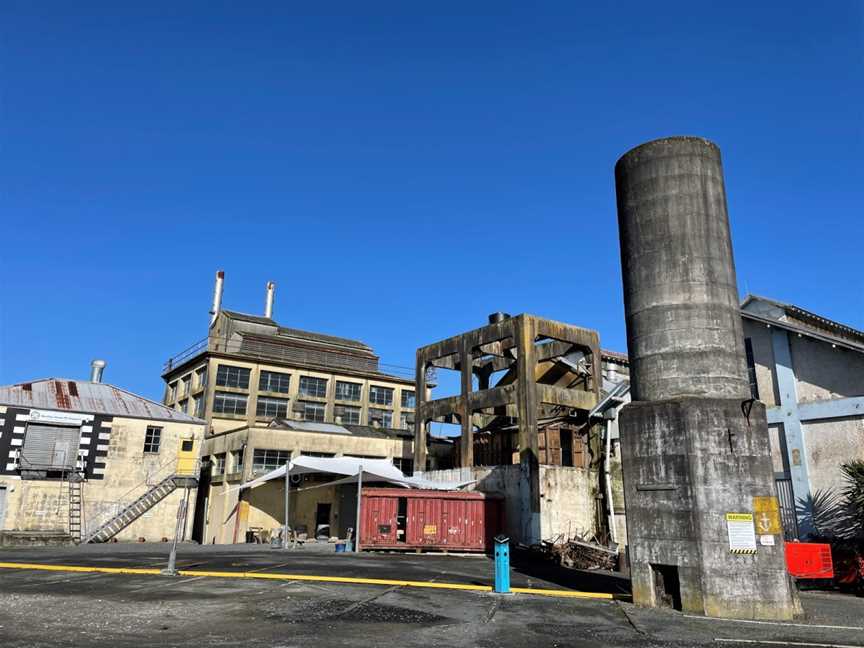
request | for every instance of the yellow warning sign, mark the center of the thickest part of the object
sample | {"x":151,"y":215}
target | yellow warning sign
{"x":739,"y":517}
{"x":766,"y":515}
{"x":430,"y":529}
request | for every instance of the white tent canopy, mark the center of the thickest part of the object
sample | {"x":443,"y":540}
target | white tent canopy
{"x":374,"y":470}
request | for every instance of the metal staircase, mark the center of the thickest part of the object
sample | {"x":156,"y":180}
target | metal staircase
{"x":136,"y":509}
{"x":76,"y":506}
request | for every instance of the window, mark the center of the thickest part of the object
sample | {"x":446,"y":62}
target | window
{"x":409,"y":399}
{"x":267,"y":460}
{"x":347,"y":391}
{"x":228,"y":376}
{"x":312,"y":411}
{"x":272,"y":407}
{"x":405,"y":465}
{"x":182,"y":405}
{"x":380,"y":395}
{"x":172,"y":392}
{"x":308,"y":453}
{"x":152,"y":439}
{"x":751,"y":368}
{"x":186,"y":385}
{"x":201,"y":377}
{"x":224,"y":403}
{"x":236,"y":461}
{"x":406,"y":421}
{"x":310,"y":386}
{"x":219,"y":464}
{"x":361,"y":456}
{"x":274,"y":382}
{"x":350,"y":415}
{"x":384,"y":417}
{"x":198,"y":403}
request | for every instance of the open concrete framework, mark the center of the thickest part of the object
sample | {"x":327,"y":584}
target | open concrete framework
{"x":521,"y":374}
{"x":695,"y":446}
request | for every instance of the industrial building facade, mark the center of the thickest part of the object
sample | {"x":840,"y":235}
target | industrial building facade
{"x":809,"y":372}
{"x":76,"y":454}
{"x":269,"y":393}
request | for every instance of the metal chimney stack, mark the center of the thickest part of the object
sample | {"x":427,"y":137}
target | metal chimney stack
{"x":217,"y":296}
{"x":268,"y":303}
{"x":96,"y":369}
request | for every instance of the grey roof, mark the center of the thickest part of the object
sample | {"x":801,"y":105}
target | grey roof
{"x":297,"y":334}
{"x":801,"y":321}
{"x":88,"y":398}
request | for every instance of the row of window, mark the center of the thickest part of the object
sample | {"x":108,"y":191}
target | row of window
{"x":269,"y":407}
{"x":272,"y":381}
{"x":185,"y":385}
{"x":265,"y":460}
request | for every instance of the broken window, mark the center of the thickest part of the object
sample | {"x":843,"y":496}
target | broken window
{"x":382,"y":416}
{"x":225,"y":403}
{"x":272,"y":381}
{"x":272,"y":407}
{"x":229,"y":376}
{"x":380,"y":395}
{"x":347,"y":414}
{"x":311,"y":386}
{"x":312,"y":411}
{"x":347,"y":391}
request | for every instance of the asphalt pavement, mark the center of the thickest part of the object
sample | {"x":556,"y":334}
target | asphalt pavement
{"x":60,"y":608}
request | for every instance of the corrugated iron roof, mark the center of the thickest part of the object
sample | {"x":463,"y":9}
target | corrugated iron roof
{"x":308,"y":336}
{"x":88,"y":398}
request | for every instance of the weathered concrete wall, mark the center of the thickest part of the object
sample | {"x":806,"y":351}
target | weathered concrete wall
{"x":823,"y":372}
{"x":827,"y":445}
{"x":684,"y":333}
{"x":42,"y":505}
{"x":566,"y":496}
{"x":688,"y":462}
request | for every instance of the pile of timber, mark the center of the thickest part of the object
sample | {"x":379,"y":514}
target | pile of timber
{"x":578,"y":553}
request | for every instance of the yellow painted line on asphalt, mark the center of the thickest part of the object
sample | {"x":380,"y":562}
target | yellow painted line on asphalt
{"x":308,"y":577}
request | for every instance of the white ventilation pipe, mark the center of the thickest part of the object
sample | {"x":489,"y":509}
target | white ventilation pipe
{"x":217,"y":296}
{"x":268,"y":302}
{"x":96,"y":369}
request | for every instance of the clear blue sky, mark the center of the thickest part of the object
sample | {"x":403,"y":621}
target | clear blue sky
{"x":400,"y":174}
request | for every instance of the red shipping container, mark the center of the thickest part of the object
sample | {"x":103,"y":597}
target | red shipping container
{"x":810,"y":560}
{"x":398,"y":518}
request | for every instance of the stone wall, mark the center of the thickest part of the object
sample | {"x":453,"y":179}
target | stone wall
{"x":43,"y":505}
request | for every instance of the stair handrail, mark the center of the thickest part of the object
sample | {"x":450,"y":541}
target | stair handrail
{"x":125,"y":501}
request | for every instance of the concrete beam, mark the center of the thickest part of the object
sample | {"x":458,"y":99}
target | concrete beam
{"x":574,"y":398}
{"x":793,"y":432}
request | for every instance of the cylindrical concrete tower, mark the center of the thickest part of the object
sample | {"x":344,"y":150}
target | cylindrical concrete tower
{"x":684,"y":332}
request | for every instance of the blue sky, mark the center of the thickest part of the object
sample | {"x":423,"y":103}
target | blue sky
{"x":399,"y":173}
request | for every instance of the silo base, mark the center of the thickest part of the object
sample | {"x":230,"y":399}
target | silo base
{"x":695,"y":471}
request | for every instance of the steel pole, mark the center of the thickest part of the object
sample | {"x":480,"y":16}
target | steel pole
{"x":287,"y":503}
{"x":359,"y":489}
{"x":172,"y":557}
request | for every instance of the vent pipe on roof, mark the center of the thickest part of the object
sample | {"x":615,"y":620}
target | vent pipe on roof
{"x":217,"y":296}
{"x":96,"y":369}
{"x":268,"y":303}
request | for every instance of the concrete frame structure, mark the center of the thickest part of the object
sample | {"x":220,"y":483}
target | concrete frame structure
{"x":552,"y":370}
{"x":695,"y":450}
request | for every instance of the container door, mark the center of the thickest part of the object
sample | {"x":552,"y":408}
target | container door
{"x":379,"y":521}
{"x":424,"y":521}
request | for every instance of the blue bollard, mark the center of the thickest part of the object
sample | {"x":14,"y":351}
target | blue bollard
{"x":502,"y":564}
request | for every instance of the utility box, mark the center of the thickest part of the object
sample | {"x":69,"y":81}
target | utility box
{"x":809,"y":560}
{"x":432,"y":520}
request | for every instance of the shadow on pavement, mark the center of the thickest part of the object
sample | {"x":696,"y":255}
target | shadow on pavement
{"x":585,"y":580}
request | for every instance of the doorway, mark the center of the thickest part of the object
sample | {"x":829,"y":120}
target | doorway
{"x":401,"y":519}
{"x":667,"y":586}
{"x":322,"y":520}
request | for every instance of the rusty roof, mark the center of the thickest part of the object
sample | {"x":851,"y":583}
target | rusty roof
{"x":88,"y":398}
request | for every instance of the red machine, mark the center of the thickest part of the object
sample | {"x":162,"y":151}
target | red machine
{"x":396,"y":518}
{"x":809,"y":560}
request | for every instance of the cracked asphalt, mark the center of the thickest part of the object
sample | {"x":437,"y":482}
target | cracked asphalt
{"x":39,"y":608}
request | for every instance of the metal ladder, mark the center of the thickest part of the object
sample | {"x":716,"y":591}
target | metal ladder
{"x":76,"y":506}
{"x":135,"y":510}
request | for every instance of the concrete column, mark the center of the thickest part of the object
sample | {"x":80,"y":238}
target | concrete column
{"x":787,"y":387}
{"x":466,"y":440}
{"x":420,"y":414}
{"x":684,"y":331}
{"x":526,"y":408}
